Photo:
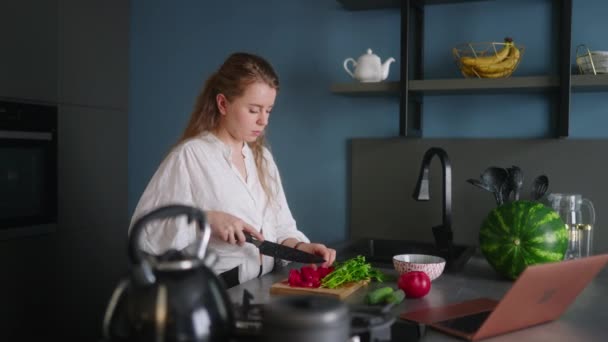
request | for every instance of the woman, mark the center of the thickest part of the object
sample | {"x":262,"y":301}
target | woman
{"x":221,"y":165}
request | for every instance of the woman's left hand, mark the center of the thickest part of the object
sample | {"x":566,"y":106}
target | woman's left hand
{"x":328,"y":254}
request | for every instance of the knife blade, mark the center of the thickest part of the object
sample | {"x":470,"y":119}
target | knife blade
{"x":283,"y":252}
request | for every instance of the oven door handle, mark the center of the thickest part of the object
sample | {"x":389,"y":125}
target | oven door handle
{"x":26,"y":135}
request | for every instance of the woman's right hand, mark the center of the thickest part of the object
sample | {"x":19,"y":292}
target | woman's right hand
{"x":230,"y":228}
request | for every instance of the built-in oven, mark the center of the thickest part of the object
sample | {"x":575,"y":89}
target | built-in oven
{"x":28,"y":169}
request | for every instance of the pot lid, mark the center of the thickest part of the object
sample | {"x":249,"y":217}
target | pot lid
{"x":301,"y":312}
{"x":369,"y":57}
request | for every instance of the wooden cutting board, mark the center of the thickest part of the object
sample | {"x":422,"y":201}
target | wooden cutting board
{"x":282,"y":288}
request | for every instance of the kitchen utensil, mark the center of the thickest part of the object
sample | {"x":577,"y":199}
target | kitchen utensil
{"x":283,"y":288}
{"x":369,"y":68}
{"x":570,"y":209}
{"x":539,"y":187}
{"x":480,"y":184}
{"x":368,"y":323}
{"x":172,"y":297}
{"x":506,"y":190}
{"x":495,"y":177}
{"x":430,"y":264}
{"x":306,"y":319}
{"x":283,"y":252}
{"x":516,"y":180}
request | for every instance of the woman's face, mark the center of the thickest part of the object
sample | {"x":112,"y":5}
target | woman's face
{"x":245,"y":117}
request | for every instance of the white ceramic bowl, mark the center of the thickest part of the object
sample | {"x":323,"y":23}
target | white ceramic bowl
{"x":431,"y":265}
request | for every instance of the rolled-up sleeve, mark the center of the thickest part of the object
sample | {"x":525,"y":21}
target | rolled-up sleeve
{"x":171,"y":184}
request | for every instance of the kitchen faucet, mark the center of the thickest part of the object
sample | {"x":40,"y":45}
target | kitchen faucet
{"x":443,"y":233}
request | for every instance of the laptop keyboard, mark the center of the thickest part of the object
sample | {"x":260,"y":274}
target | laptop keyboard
{"x":468,"y":324}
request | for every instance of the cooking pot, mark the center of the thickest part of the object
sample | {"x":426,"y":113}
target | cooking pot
{"x":171,"y":297}
{"x":306,"y":318}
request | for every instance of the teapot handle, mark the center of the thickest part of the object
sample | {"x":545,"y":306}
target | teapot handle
{"x":346,"y":66}
{"x":142,"y":268}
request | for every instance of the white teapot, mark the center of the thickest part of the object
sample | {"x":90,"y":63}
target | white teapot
{"x":369,"y":68}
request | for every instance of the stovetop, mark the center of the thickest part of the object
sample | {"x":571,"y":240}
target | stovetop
{"x":368,"y":323}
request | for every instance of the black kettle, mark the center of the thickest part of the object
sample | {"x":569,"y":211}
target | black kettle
{"x":172,"y":297}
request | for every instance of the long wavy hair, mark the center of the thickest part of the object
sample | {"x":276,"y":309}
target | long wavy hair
{"x":237,"y":72}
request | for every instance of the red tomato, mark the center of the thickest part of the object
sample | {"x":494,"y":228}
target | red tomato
{"x":415,"y":284}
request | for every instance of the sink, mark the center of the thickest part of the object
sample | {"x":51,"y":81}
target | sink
{"x":380,"y":252}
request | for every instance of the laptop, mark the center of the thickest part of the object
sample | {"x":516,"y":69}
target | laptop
{"x":540,"y":294}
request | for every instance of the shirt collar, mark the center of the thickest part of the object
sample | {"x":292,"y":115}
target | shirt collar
{"x":225,"y":148}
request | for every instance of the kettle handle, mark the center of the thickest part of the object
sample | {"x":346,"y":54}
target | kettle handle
{"x":143,"y":268}
{"x":111,"y":309}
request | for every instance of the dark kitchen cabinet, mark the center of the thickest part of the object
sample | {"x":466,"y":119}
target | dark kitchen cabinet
{"x":412,"y":87}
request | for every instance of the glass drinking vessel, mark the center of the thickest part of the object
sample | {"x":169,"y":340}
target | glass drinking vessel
{"x":580,"y":229}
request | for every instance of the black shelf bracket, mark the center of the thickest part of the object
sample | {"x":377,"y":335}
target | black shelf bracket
{"x":412,"y":55}
{"x":565,"y":27}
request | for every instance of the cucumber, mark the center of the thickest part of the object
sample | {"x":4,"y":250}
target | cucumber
{"x":396,"y":297}
{"x":377,"y":296}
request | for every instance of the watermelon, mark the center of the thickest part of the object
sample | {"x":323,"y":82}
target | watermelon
{"x":522,"y":233}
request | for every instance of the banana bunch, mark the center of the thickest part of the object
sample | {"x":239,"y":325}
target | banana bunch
{"x":498,"y":65}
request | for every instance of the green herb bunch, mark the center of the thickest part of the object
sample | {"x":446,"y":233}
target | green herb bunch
{"x":354,"y":269}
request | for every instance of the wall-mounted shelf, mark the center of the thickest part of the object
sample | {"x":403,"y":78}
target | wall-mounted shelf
{"x":589,"y":83}
{"x":364,"y":5}
{"x":483,"y":85}
{"x":452,"y":86}
{"x":353,"y":88}
{"x":409,"y":91}
{"x":580,"y":83}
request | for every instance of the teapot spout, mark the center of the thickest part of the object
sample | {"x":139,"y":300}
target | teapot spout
{"x":386,"y":66}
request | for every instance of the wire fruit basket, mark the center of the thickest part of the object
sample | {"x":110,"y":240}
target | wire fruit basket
{"x":488,"y":60}
{"x":591,"y":62}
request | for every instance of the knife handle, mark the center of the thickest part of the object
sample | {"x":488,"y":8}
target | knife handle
{"x":248,"y":237}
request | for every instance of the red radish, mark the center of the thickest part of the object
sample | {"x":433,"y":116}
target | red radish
{"x":308,"y":276}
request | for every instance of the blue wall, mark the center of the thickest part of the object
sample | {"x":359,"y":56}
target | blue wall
{"x":176,"y":45}
{"x":533,"y":24}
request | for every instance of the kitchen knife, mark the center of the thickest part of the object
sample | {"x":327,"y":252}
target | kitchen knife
{"x":283,"y":252}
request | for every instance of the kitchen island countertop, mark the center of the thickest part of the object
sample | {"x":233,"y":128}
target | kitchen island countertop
{"x":585,"y":320}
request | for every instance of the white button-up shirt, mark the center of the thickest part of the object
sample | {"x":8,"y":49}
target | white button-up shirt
{"x":199,"y":173}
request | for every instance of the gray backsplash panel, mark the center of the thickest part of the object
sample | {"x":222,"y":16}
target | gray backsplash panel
{"x":384,"y":173}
